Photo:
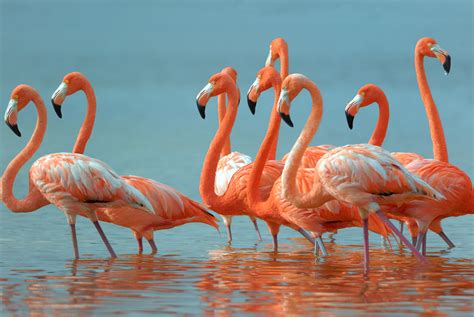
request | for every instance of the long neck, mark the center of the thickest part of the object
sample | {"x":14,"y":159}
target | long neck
{"x":34,"y":199}
{"x":221,"y":110}
{"x":440,"y":150}
{"x":284,"y":67}
{"x":208,"y":173}
{"x":88,"y":124}
{"x":380,"y":131}
{"x":316,"y":196}
{"x":263,"y":154}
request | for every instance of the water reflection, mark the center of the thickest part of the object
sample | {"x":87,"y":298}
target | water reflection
{"x":233,"y":281}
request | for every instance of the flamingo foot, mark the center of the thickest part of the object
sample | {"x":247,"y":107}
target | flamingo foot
{"x":366,"y":244}
{"x":154,"y":249}
{"x":74,"y":240}
{"x":256,"y":229}
{"x":320,"y":242}
{"x":306,"y":235}
{"x":384,"y":218}
{"x":140,"y":245}
{"x":104,"y":239}
{"x":446,"y":239}
{"x":275,"y":243}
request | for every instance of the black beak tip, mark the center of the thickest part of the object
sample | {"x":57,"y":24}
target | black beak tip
{"x":202,"y":110}
{"x":15,"y":129}
{"x":57,"y":109}
{"x":447,"y":64}
{"x":287,"y":119}
{"x":252,"y":105}
{"x":350,"y":120}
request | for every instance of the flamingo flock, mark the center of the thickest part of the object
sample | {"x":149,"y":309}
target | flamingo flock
{"x":311,"y":189}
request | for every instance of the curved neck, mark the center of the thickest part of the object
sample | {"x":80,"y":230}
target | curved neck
{"x":440,"y":151}
{"x":316,"y":196}
{"x":263,"y":154}
{"x":34,"y":199}
{"x":221,"y":110}
{"x":88,"y":123}
{"x":380,"y":131}
{"x":284,"y":67}
{"x":208,"y":173}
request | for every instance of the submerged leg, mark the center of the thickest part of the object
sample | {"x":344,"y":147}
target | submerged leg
{"x":366,"y":244}
{"x":154,"y":249}
{"x":446,"y":239}
{"x":384,"y":218}
{"x":72,"y":224}
{"x":254,"y":221}
{"x":104,"y":238}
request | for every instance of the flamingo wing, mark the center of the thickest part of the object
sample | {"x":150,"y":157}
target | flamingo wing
{"x":406,"y":157}
{"x":226,"y":168}
{"x":311,"y":155}
{"x":68,"y":177}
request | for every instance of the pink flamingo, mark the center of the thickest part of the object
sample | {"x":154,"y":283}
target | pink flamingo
{"x":171,"y":208}
{"x":362,"y":175}
{"x":368,"y":95}
{"x":330,"y":217}
{"x":234,"y":200}
{"x":229,"y":162}
{"x":73,"y":182}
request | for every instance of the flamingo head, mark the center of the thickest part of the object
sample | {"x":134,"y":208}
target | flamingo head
{"x":429,"y":47}
{"x":267,"y":77}
{"x":71,"y":83}
{"x":277,"y":47}
{"x":19,"y":98}
{"x":291,"y":87}
{"x":218,"y":84}
{"x":366,"y":95}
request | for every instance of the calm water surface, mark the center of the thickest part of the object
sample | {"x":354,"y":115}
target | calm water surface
{"x":147,"y":60}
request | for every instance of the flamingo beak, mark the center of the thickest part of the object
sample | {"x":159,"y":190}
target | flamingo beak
{"x":10,"y":113}
{"x":202,"y":98}
{"x":252,"y":95}
{"x":443,"y":56}
{"x":284,"y":105}
{"x":58,"y":98}
{"x":352,"y":108}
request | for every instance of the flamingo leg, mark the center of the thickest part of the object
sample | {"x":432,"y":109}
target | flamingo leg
{"x":320,"y":242}
{"x":229,"y":233}
{"x":316,"y":248}
{"x":446,"y":239}
{"x":401,"y":226}
{"x":140,"y":245}
{"x":104,"y":239}
{"x":74,"y":240}
{"x":275,"y":243}
{"x":419,"y":240}
{"x":366,"y":244}
{"x":414,"y":240}
{"x":306,"y":235}
{"x":154,"y":249}
{"x":423,"y":247}
{"x":384,"y":218}
{"x":254,"y":221}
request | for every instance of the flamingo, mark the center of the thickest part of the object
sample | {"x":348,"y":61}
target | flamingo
{"x":230,"y":162}
{"x":279,"y":50}
{"x":368,"y":95}
{"x":363,"y":175}
{"x":170,"y":207}
{"x":234,"y":200}
{"x":330,"y":217}
{"x":73,"y":182}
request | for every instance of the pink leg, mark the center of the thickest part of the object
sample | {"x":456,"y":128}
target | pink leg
{"x":104,"y":239}
{"x":74,"y":240}
{"x":414,"y":240}
{"x":423,"y":248}
{"x":446,"y":239}
{"x":256,"y":229}
{"x":140,"y":245}
{"x":154,"y":249}
{"x":366,"y":244}
{"x":384,"y":218}
{"x":419,"y":241}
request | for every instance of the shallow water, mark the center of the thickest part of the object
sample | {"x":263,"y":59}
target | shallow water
{"x":147,"y":60}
